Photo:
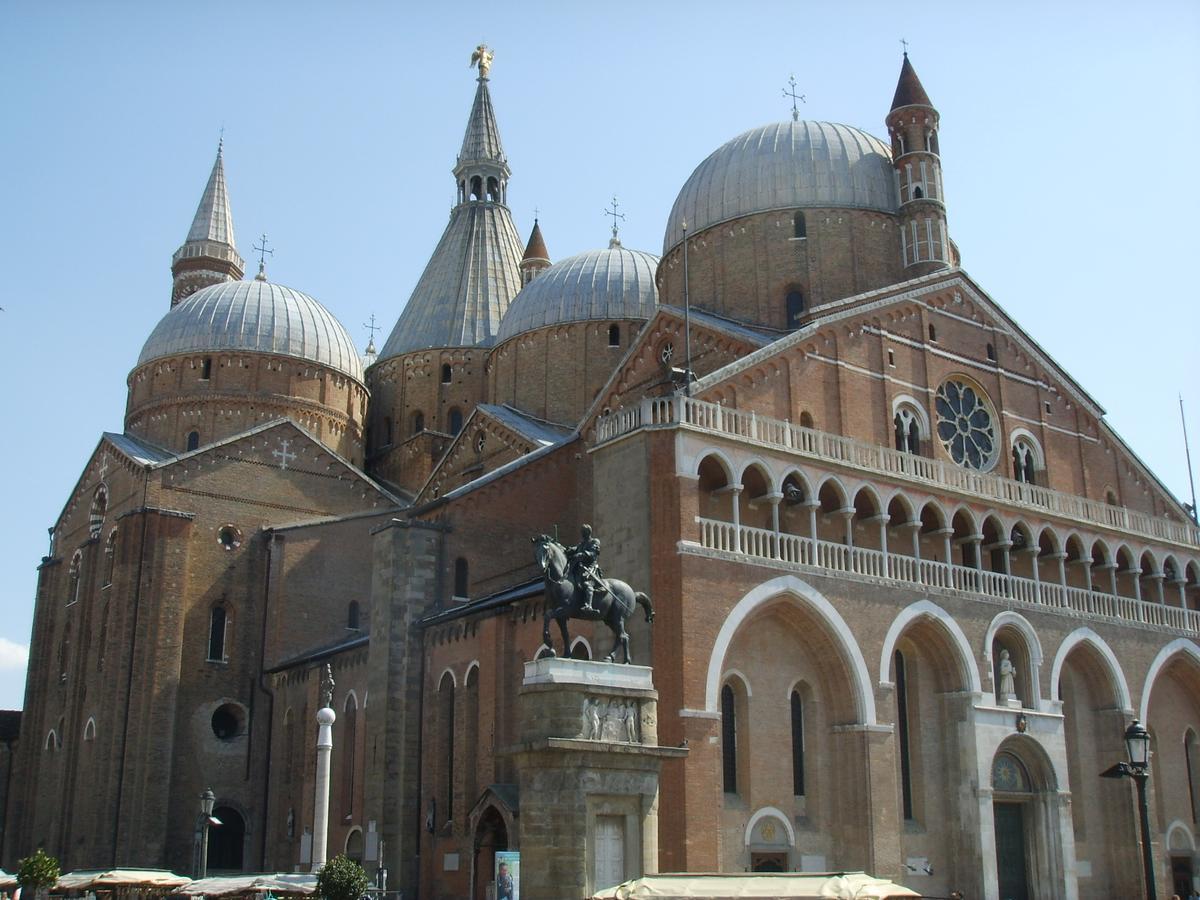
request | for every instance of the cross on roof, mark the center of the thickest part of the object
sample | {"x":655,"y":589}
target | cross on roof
{"x":372,"y":327}
{"x":790,"y":91}
{"x":615,"y":215}
{"x":905,"y":43}
{"x":261,"y":247}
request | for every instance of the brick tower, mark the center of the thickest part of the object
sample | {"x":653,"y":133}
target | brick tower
{"x":925,"y":245}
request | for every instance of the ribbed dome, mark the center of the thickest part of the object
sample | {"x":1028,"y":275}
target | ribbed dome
{"x":255,"y":316}
{"x":784,"y":166}
{"x":600,"y":284}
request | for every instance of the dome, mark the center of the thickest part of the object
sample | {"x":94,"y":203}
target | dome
{"x":254,"y":316}
{"x":784,"y":166}
{"x":600,"y":284}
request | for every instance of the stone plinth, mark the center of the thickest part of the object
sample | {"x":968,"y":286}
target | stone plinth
{"x":588,"y":766}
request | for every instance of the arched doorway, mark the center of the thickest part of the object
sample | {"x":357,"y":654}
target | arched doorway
{"x":491,"y":836}
{"x":225,"y":841}
{"x":1025,"y":810}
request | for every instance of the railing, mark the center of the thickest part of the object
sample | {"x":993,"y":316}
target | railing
{"x":794,"y":550}
{"x":779,"y":434}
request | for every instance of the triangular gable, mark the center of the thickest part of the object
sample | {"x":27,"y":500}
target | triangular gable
{"x":716,"y":342}
{"x":492,"y":437}
{"x":127,"y":451}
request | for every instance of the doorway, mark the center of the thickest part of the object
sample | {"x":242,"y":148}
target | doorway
{"x":768,"y":862}
{"x":225,"y":841}
{"x":1182,"y":875}
{"x":1010,"y":851}
{"x":491,"y":836}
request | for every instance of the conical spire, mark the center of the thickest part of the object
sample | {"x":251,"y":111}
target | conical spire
{"x":909,"y":91}
{"x":214,"y":220}
{"x":209,"y":254}
{"x":481,"y":143}
{"x":536,"y":258}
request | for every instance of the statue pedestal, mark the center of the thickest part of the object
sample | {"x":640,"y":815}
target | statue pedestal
{"x":588,"y":766}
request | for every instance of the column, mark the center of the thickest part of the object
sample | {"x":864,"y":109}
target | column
{"x":774,"y":499}
{"x":325,"y":720}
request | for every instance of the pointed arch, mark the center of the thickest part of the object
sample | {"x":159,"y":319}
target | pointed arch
{"x":815,"y":602}
{"x":927,"y":609}
{"x":1085,"y":635}
{"x":1178,"y":646}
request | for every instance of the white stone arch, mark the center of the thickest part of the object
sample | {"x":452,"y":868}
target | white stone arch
{"x":473,"y":664}
{"x":927,"y":609}
{"x":1056,"y":540}
{"x":693,"y":468}
{"x":911,"y":507}
{"x":801,"y":476}
{"x":843,"y":637}
{"x":918,"y":409}
{"x":89,"y":730}
{"x":578,"y":639}
{"x":1032,"y":641}
{"x":773,"y":813}
{"x":872,"y":493}
{"x":1179,"y":645}
{"x":1085,"y":635}
{"x":51,"y":742}
{"x":357,"y":829}
{"x":838,"y":485}
{"x":453,"y":678}
{"x":767,"y":470}
{"x":973,"y":521}
{"x":1180,"y":827}
{"x":351,"y":696}
{"x":1026,"y":436}
{"x":740,"y":676}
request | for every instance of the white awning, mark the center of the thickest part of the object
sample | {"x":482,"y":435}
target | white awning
{"x":806,"y":886}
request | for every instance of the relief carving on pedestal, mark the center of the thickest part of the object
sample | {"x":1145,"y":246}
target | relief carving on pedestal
{"x":612,"y":720}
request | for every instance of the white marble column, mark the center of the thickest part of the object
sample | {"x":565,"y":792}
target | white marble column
{"x":325,"y":720}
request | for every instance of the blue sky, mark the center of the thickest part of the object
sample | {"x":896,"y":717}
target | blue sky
{"x":1068,"y":134}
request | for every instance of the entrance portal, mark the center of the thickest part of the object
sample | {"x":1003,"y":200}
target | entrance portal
{"x":491,"y":836}
{"x":225,"y":841}
{"x":1010,"y":851}
{"x":1181,"y":875}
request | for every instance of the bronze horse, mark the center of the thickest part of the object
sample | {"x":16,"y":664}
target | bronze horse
{"x":564,"y":599}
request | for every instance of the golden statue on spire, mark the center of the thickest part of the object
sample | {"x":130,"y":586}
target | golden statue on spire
{"x":482,"y":57}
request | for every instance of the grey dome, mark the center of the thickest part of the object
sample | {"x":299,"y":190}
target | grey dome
{"x":254,"y":316}
{"x":615,"y":283}
{"x":784,"y":166}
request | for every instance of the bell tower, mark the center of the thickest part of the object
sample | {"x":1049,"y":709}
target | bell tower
{"x":209,"y":255}
{"x":912,"y":123}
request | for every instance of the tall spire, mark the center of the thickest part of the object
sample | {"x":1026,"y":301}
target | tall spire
{"x":537,"y":258}
{"x":909,"y":91}
{"x":209,"y":254}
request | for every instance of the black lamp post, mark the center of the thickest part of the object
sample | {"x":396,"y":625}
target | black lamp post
{"x":1137,"y":746}
{"x":207,"y":799}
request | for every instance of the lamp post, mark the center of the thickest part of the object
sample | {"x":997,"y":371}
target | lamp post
{"x":1137,"y":746}
{"x":207,"y":799}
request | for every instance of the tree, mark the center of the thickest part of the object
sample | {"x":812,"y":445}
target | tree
{"x":342,"y":879}
{"x":39,"y":872}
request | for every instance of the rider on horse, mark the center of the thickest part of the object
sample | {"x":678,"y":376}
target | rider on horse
{"x":585,"y":569}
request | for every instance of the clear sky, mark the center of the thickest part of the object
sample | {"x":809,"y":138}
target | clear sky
{"x":1068,"y":138}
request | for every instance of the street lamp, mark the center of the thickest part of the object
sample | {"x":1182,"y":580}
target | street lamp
{"x":1137,"y":746}
{"x":207,"y":800}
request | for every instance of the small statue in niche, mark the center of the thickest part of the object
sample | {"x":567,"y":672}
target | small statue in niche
{"x":1008,"y":682}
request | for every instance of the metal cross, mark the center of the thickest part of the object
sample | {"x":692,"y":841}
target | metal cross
{"x":615,"y":215}
{"x":791,"y":92}
{"x":905,"y":43}
{"x":283,"y":455}
{"x":372,"y":327}
{"x":262,"y":251}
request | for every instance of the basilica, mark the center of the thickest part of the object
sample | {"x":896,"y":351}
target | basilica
{"x":910,"y":588}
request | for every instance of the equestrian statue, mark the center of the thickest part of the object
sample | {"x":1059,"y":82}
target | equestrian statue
{"x":577,"y":589}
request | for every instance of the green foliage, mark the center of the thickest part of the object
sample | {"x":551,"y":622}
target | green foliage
{"x":38,"y":871}
{"x":342,"y":879}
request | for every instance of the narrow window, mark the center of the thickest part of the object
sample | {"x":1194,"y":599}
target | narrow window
{"x":64,"y":652}
{"x":902,"y":735}
{"x":110,"y":557}
{"x":932,"y":333}
{"x":418,"y":422}
{"x":991,"y":352}
{"x":907,"y":431}
{"x":918,"y":193}
{"x":456,"y":420}
{"x":806,"y":420}
{"x":75,"y":578}
{"x":387,"y":430}
{"x":892,"y":358}
{"x":216,"y":634}
{"x":1047,"y":407}
{"x":446,"y":690}
{"x":461,"y":580}
{"x":797,"y":745}
{"x":728,"y":740}
{"x":1024,"y":467}
{"x":795,"y":309}
{"x":933,"y":143}
{"x":103,"y":642}
{"x":206,"y":369}
{"x":193,"y":440}
{"x":476,"y":188}
{"x":447,"y":373}
{"x":352,"y":614}
{"x":799,"y":227}
{"x":1190,"y":761}
{"x":614,"y":335}
{"x":349,"y":747}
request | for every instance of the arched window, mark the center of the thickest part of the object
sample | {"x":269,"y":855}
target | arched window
{"x":352,"y":614}
{"x":933,"y":142}
{"x":729,"y":740}
{"x":218,"y":624}
{"x":89,"y":730}
{"x":476,"y":188}
{"x":795,"y":309}
{"x":806,"y":420}
{"x":447,"y":373}
{"x":349,"y":745}
{"x":99,"y":510}
{"x":614,"y":335}
{"x":797,"y":744}
{"x":1026,"y":458}
{"x":110,"y":557}
{"x":206,"y":369}
{"x":418,"y":422}
{"x":991,"y":352}
{"x":461,"y":578}
{"x":75,"y":577}
{"x":456,"y":420}
{"x":579,"y":650}
{"x":902,"y":736}
{"x":446,"y":710}
{"x":193,"y":440}
{"x":64,"y":652}
{"x":907,"y":427}
{"x":932,"y":333}
{"x":917,"y":192}
{"x":799,"y":228}
{"x":493,"y":189}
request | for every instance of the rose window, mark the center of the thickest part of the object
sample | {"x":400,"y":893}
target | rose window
{"x":966,"y":426}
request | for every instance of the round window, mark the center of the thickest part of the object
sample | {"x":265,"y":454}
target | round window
{"x":227,"y":721}
{"x":666,"y":353}
{"x":229,"y":537}
{"x":965,"y":425}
